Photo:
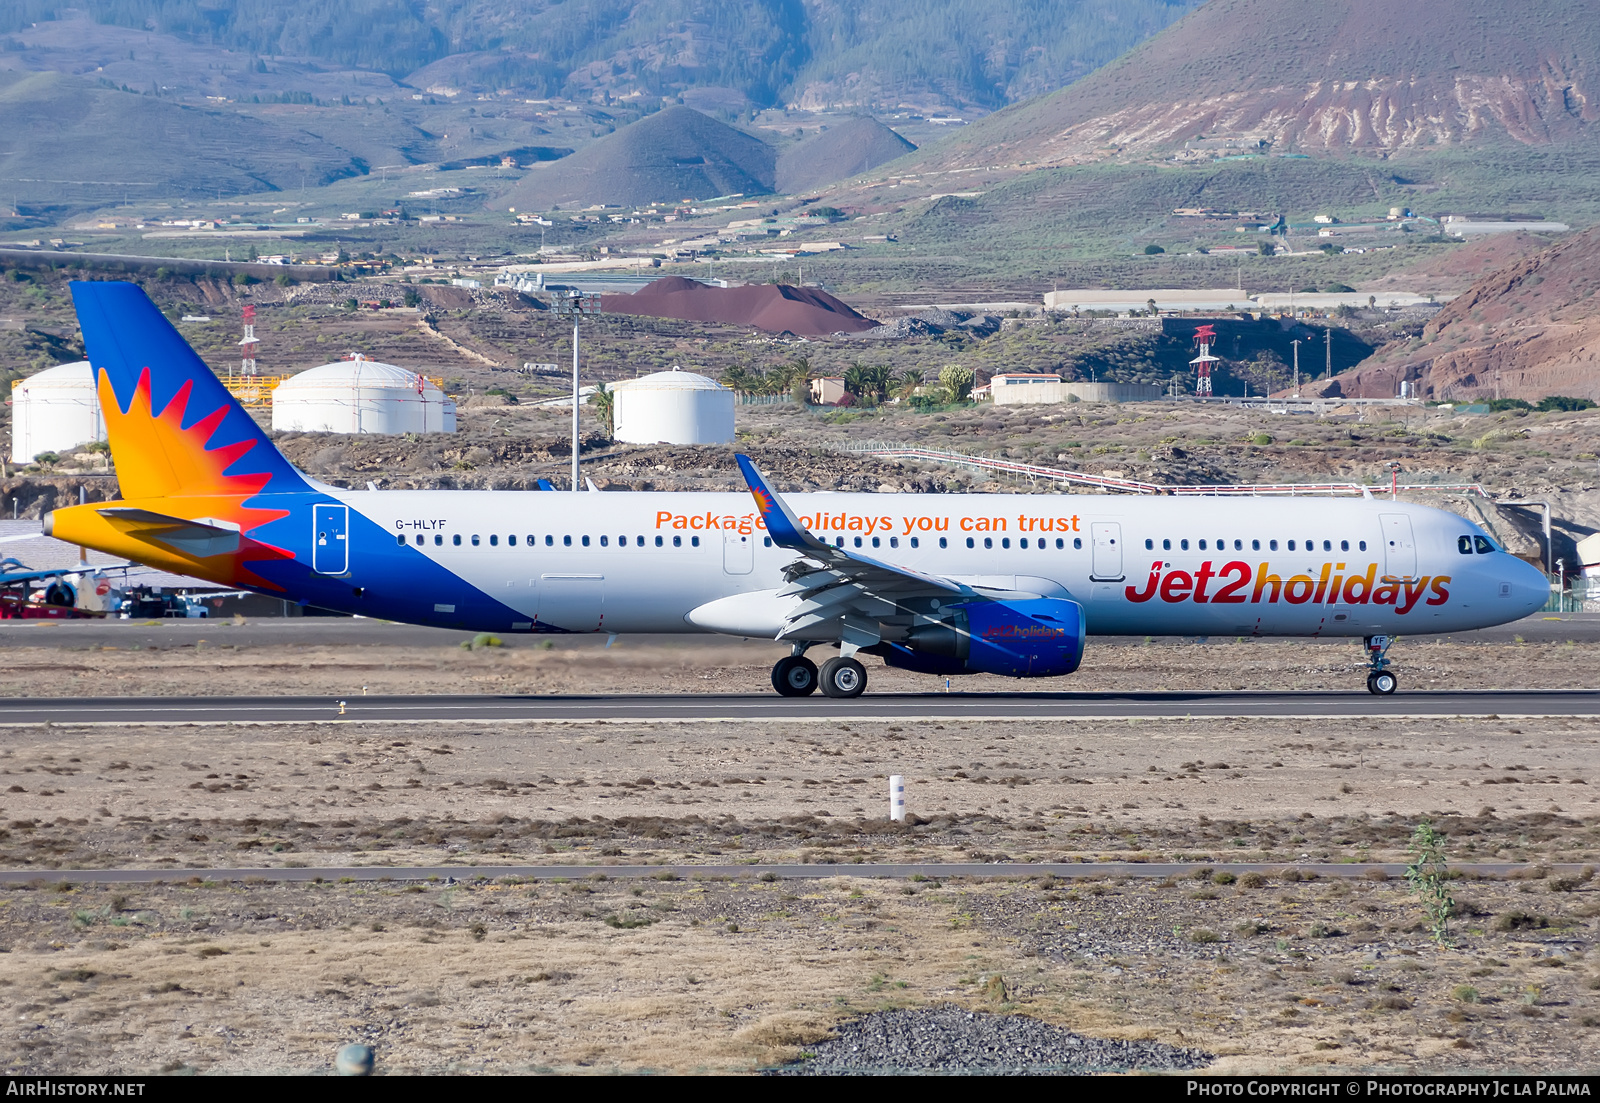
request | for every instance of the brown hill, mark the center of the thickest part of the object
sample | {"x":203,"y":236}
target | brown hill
{"x":1530,"y":329}
{"x":776,"y":308}
{"x":672,"y":155}
{"x":1339,"y":74}
{"x":844,"y":150}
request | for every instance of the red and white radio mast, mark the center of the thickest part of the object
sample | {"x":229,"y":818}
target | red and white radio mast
{"x":1205,"y":337}
{"x":247,"y":366}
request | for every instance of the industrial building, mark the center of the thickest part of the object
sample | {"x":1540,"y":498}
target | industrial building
{"x":54,"y":411}
{"x":361,"y":396}
{"x":672,"y":407}
{"x":1051,"y":389}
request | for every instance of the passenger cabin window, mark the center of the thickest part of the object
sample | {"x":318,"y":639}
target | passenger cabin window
{"x":969,"y":542}
{"x":1060,"y":543}
{"x":894,"y":541}
{"x":1202,"y":545}
{"x":916,"y":542}
{"x":1363,"y":545}
{"x":766,"y":541}
{"x":1183,"y":544}
{"x":401,"y":539}
{"x":1291,"y":545}
{"x":438,"y":540}
{"x":1077,"y":543}
{"x":605,"y":541}
{"x":1166,"y":545}
{"x":1272,"y":545}
{"x":1255,"y":545}
{"x":1149,"y":545}
{"x":566,"y":541}
{"x":1005,"y":541}
{"x":694,"y":541}
{"x":456,"y":539}
{"x":988,"y":542}
{"x":494,"y":541}
{"x":677,"y":541}
{"x":660,"y":541}
{"x":944,"y":542}
{"x":549,"y":541}
{"x":512,"y":540}
{"x":585,"y":541}
{"x":1344,"y":545}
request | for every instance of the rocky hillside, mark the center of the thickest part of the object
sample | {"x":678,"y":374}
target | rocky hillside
{"x":1529,"y":329}
{"x":1340,"y":75}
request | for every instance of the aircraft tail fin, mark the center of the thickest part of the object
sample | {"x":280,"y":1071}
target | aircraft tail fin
{"x":173,"y":427}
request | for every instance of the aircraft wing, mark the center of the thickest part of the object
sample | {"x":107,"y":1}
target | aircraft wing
{"x":838,"y":593}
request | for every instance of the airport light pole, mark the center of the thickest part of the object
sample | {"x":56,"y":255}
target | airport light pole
{"x":1296,"y":343}
{"x":576,"y":304}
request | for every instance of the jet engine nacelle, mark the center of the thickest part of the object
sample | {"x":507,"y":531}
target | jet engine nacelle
{"x":1031,"y":638}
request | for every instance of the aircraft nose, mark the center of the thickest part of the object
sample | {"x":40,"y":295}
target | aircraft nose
{"x":1530,"y":587}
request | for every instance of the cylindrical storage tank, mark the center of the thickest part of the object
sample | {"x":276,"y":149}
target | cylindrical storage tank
{"x":54,"y":410}
{"x":672,"y":407}
{"x":361,"y":396}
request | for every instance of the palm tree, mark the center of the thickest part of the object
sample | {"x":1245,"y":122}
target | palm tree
{"x":907,"y":383}
{"x":604,"y":401}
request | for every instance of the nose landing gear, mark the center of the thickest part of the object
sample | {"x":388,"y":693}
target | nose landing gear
{"x":1380,"y":679}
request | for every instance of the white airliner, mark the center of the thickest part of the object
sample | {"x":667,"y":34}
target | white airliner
{"x":942,"y":584}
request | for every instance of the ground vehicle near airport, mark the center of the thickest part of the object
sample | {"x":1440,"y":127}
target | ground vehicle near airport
{"x":942,"y":584}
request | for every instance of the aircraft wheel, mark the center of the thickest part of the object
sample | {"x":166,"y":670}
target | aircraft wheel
{"x":795,"y":676}
{"x":843,"y":678}
{"x":1382,"y":682}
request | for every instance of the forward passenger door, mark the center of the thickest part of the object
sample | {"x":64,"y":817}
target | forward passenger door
{"x":1399,"y":546}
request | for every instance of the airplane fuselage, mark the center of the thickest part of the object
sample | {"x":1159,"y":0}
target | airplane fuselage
{"x":641,"y":562}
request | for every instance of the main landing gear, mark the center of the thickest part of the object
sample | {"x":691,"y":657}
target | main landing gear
{"x":1380,"y":679}
{"x":797,"y":676}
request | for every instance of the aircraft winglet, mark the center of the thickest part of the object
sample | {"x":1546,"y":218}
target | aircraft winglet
{"x":782,"y":525}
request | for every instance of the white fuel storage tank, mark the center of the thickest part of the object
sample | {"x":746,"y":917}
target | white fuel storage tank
{"x":361,"y":396}
{"x":672,"y":407}
{"x":54,"y":410}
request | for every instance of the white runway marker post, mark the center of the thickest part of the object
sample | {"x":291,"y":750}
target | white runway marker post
{"x":897,"y":798}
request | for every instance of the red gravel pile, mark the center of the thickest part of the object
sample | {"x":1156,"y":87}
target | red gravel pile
{"x":776,"y":308}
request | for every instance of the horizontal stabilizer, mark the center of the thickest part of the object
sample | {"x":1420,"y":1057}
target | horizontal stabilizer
{"x":195,"y":539}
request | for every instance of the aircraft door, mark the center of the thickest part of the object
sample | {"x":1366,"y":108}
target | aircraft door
{"x":1106,"y":564}
{"x":1399,"y":546}
{"x":574,"y":602}
{"x":330,"y":545}
{"x":738,"y":552}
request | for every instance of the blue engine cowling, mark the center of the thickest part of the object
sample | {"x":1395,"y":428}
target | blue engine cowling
{"x":1036,"y":638}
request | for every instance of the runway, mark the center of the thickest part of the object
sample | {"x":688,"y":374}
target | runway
{"x":897,"y":870}
{"x":359,"y":632}
{"x":715,"y":708}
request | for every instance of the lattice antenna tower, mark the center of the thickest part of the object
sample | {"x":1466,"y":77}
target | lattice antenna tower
{"x":1204,"y":337}
{"x":247,"y":365}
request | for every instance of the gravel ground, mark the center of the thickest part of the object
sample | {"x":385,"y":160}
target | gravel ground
{"x":949,"y":1039}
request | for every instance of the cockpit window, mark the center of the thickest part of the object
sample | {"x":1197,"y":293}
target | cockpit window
{"x":1464,"y":545}
{"x":1483,"y":545}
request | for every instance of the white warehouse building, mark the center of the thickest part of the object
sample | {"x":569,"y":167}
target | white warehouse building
{"x":54,"y":410}
{"x":361,"y":396}
{"x":672,"y":407}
